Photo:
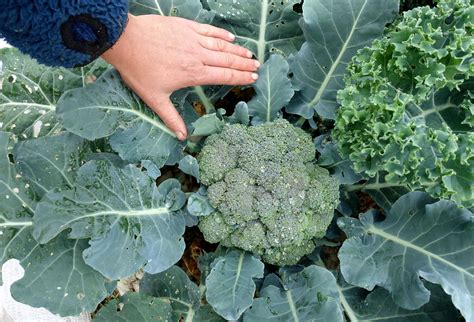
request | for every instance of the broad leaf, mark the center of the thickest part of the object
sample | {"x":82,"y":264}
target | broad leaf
{"x":51,"y":162}
{"x":208,"y":125}
{"x":29,"y":92}
{"x":385,"y":194}
{"x":334,"y":31}
{"x":207,"y":314}
{"x":108,"y":108}
{"x":174,"y":286}
{"x":263,"y":26}
{"x":190,"y":166}
{"x":17,"y":203}
{"x":230,"y":285}
{"x":310,"y":295}
{"x":151,"y":169}
{"x":273,"y":90}
{"x":135,"y":307}
{"x":189,"y":9}
{"x":58,"y":279}
{"x":419,"y":238}
{"x":129,"y":220}
{"x":207,"y":96}
{"x":199,"y":204}
{"x":241,"y":114}
{"x":331,"y":160}
{"x":379,"y":306}
{"x":206,"y":260}
{"x":56,"y":276}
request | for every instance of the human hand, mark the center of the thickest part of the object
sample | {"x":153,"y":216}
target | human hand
{"x":158,"y":55}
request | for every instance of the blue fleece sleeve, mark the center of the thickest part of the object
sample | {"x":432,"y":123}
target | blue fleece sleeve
{"x":65,"y":33}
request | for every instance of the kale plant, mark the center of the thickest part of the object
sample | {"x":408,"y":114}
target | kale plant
{"x":96,"y":193}
{"x":407,"y":108}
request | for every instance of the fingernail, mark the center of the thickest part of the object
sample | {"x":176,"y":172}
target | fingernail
{"x":249,"y":54}
{"x":254,"y":76}
{"x":231,"y":36}
{"x":257,"y":64}
{"x":180,"y":135}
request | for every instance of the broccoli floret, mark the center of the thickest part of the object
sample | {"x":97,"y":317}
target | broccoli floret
{"x":214,"y":227}
{"x":270,"y":197}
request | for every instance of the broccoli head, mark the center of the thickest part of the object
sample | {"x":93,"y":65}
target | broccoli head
{"x":269,"y":196}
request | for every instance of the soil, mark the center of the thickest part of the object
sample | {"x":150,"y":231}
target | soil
{"x":195,"y":247}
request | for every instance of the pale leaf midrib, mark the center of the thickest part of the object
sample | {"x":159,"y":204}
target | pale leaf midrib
{"x":328,"y":77}
{"x":269,"y":95}
{"x":28,"y":105}
{"x":291,"y":303}
{"x":144,"y":117}
{"x":262,"y":32}
{"x":347,"y":308}
{"x":23,"y":202}
{"x":158,"y":7}
{"x":237,"y":276}
{"x":209,"y":107}
{"x":406,"y":244}
{"x":16,"y":224}
{"x":121,"y":213}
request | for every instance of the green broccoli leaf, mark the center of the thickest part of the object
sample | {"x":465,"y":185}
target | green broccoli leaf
{"x":17,"y":203}
{"x":108,"y":108}
{"x":309,"y":295}
{"x":189,"y":9}
{"x":198,"y":203}
{"x":177,"y":298}
{"x":189,"y":165}
{"x":174,"y":286}
{"x":273,"y":90}
{"x":57,"y":278}
{"x":135,"y":307}
{"x":384,"y":194}
{"x":128,"y":218}
{"x":331,"y":160}
{"x":29,"y":92}
{"x":208,"y":125}
{"x":378,"y":305}
{"x":241,"y":114}
{"x":263,"y":26}
{"x":51,"y":162}
{"x":419,"y":238}
{"x":230,"y":285}
{"x":152,"y":170}
{"x":207,"y":314}
{"x":334,"y":31}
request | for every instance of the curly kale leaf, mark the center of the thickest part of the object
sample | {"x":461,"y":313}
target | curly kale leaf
{"x":407,"y":105}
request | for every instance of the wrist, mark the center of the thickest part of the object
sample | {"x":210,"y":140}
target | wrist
{"x":119,"y":51}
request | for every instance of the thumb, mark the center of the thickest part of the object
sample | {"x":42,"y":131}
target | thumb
{"x":170,"y":116}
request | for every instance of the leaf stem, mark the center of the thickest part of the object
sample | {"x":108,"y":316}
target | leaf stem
{"x":16,"y":224}
{"x":302,"y":120}
{"x":347,"y":308}
{"x":262,"y":33}
{"x":372,"y":186}
{"x":204,"y":100}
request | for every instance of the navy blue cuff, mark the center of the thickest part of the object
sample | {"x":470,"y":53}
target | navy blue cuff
{"x":69,"y":34}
